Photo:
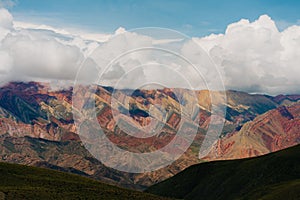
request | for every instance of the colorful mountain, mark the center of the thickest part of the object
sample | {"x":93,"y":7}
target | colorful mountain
{"x":269,"y":132}
{"x":37,"y":127}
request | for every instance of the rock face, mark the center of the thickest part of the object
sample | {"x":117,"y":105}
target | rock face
{"x":69,"y":156}
{"x":275,"y":130}
{"x":37,"y":127}
{"x":31,"y":109}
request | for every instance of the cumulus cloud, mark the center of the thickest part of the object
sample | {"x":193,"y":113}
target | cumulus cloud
{"x":37,"y":57}
{"x":97,"y":37}
{"x":39,"y":52}
{"x":251,"y":56}
{"x":256,"y":57}
{"x":6,"y":20}
{"x":146,"y":56}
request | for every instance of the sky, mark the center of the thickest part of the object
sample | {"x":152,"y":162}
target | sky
{"x":192,"y":17}
{"x":251,"y":46}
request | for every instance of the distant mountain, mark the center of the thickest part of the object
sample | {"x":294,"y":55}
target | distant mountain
{"x":275,"y":176}
{"x":24,"y":182}
{"x":37,"y":127}
{"x":66,"y":156}
{"x":275,"y":130}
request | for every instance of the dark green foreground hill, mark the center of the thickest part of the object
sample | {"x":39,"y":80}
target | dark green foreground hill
{"x":274,"y":176}
{"x":23,"y":182}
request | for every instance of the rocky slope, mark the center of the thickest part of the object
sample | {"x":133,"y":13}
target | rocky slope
{"x":272,"y":131}
{"x":37,"y":126}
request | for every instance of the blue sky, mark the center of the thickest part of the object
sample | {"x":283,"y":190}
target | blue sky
{"x":195,"y":18}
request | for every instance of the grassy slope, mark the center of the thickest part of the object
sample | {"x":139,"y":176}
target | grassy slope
{"x":23,"y":182}
{"x":273,"y":176}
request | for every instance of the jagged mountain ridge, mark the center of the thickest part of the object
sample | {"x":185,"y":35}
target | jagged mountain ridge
{"x":275,"y":130}
{"x":47,"y":114}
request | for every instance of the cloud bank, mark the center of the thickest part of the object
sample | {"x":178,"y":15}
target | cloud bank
{"x":39,"y":52}
{"x":254,"y":56}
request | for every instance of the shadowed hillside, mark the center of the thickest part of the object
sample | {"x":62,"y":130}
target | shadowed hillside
{"x":273,"y":176}
{"x":23,"y":182}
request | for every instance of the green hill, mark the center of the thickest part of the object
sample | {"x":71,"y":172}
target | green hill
{"x":23,"y":182}
{"x":270,"y":177}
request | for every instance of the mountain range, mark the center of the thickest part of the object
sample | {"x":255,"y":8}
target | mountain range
{"x":37,"y":128}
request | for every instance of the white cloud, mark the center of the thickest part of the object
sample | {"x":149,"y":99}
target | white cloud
{"x":27,"y":54}
{"x":98,"y":37}
{"x":254,"y":56}
{"x":6,"y":20}
{"x":40,"y":52}
{"x":40,"y":58}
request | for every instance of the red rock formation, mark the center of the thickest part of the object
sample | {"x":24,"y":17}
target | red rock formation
{"x":34,"y":110}
{"x":272,"y":131}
